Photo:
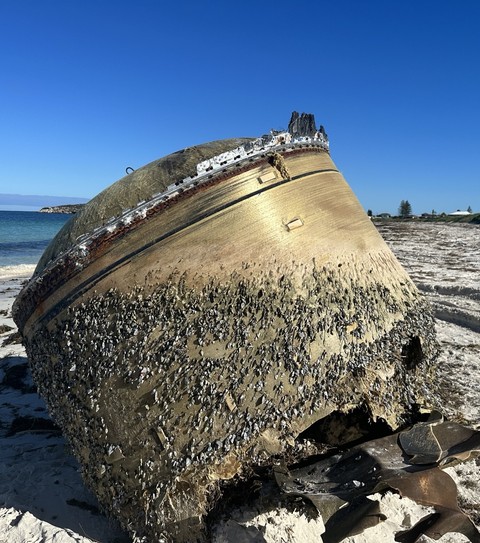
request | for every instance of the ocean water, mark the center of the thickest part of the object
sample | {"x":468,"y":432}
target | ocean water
{"x":24,"y":235}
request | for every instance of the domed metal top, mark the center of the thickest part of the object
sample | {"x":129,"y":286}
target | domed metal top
{"x":132,"y":189}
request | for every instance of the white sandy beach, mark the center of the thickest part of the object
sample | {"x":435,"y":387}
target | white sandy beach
{"x":43,"y":498}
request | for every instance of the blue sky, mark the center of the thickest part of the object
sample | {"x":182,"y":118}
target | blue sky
{"x":88,"y":88}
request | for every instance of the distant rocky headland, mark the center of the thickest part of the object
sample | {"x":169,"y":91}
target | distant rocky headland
{"x":68,"y":208}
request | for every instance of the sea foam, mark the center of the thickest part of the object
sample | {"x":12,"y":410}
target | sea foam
{"x":18,"y":271}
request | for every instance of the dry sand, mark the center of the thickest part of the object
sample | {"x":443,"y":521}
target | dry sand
{"x":43,"y":499}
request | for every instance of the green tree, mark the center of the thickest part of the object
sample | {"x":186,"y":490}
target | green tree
{"x":405,"y":209}
{"x":469,"y":209}
{"x":369,"y":213}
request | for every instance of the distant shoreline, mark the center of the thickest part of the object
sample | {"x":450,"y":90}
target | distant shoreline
{"x":68,"y":208}
{"x":474,"y":218}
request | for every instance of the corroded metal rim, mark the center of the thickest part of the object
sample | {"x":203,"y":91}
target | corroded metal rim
{"x":90,"y":246}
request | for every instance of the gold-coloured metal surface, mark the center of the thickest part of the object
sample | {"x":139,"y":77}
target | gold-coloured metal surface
{"x":205,"y":339}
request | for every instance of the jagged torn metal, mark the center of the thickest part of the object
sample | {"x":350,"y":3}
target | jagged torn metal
{"x":409,"y":462}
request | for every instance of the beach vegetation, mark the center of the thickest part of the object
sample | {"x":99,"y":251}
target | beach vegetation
{"x":405,"y":209}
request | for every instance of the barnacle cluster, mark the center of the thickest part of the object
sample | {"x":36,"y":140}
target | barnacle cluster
{"x":164,"y":391}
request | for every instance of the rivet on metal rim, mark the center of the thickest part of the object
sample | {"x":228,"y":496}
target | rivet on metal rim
{"x":294,"y":223}
{"x":270,"y":176}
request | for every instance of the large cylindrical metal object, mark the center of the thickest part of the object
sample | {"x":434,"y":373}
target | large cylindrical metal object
{"x":200,"y":333}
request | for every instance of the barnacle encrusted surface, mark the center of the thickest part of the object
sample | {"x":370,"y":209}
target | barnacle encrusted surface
{"x":207,"y":337}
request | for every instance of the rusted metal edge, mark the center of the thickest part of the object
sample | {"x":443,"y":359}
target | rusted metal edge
{"x":76,"y":259}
